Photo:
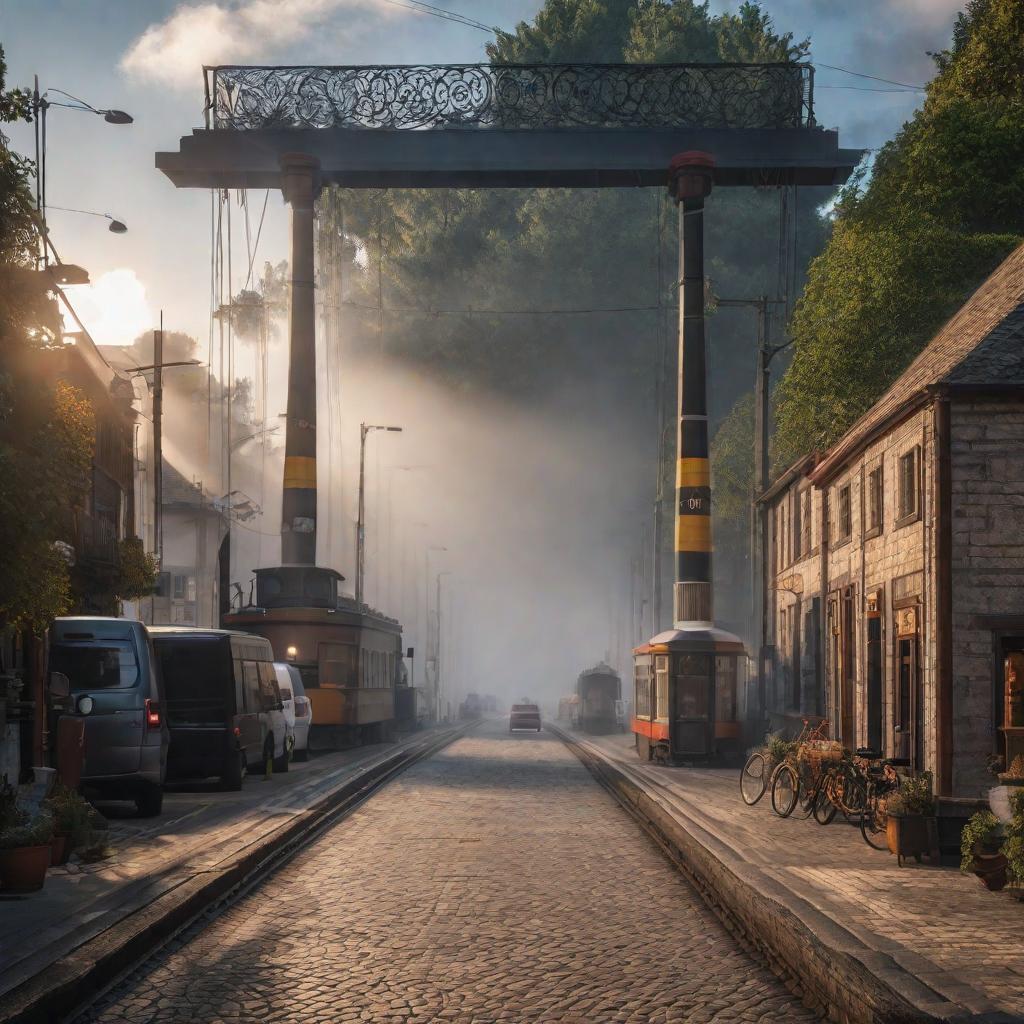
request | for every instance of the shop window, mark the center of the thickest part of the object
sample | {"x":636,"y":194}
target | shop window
{"x":909,"y":485}
{"x":798,"y":532}
{"x":807,"y":521}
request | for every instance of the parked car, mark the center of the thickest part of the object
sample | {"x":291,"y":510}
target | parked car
{"x":297,"y":707}
{"x":524,"y":716}
{"x":103,"y":670}
{"x":224,"y":707}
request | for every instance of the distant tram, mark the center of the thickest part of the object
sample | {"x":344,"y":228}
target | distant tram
{"x":687,"y":686}
{"x":598,"y":689}
{"x":350,"y":658}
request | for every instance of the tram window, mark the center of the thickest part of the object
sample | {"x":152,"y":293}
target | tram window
{"x":692,"y":672}
{"x":725,"y":689}
{"x":340,"y":663}
{"x":661,"y":681}
{"x":642,"y":691}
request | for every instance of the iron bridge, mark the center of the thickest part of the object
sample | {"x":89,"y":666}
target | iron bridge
{"x":511,"y":125}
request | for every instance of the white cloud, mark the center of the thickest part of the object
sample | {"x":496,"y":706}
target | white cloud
{"x":172,"y":52}
{"x":113,"y":308}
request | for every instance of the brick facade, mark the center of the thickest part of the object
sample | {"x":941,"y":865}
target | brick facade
{"x":896,"y":610}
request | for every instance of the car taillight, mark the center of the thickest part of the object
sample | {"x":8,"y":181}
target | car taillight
{"x":237,"y":731}
{"x":152,"y":714}
{"x":301,"y":709}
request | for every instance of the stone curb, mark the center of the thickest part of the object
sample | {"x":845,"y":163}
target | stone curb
{"x":64,"y":986}
{"x":835,"y":970}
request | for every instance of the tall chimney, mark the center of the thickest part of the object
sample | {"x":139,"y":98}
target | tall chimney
{"x":300,"y":184}
{"x":690,"y":183}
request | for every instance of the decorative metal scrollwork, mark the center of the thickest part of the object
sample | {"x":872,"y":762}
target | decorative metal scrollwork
{"x":512,"y":96}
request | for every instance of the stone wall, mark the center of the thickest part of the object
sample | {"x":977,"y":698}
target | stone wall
{"x":987,"y":480}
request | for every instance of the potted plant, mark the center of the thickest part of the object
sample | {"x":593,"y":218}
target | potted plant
{"x":72,"y":817}
{"x":979,"y":850}
{"x":1013,"y":844}
{"x":25,"y":851}
{"x":1010,"y":781}
{"x":910,"y":824}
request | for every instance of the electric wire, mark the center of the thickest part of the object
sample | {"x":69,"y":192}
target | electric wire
{"x":437,"y":12}
{"x":873,"y":78}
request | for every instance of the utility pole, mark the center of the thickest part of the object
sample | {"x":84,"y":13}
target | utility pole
{"x":437,"y":670}
{"x":758,"y":520}
{"x":364,"y":430}
{"x":158,"y":441}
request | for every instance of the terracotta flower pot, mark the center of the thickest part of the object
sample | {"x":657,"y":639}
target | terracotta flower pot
{"x":907,"y":836}
{"x":990,"y":868}
{"x":23,"y":869}
{"x":60,"y":849}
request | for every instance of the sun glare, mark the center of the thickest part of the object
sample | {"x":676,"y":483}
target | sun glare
{"x":113,"y":308}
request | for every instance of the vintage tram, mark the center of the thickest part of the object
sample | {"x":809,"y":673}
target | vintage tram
{"x":598,"y":689}
{"x":686,"y":700}
{"x":349,"y":656}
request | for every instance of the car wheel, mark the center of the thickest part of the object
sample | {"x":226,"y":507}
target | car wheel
{"x":281,"y":763}
{"x":234,"y":771}
{"x":150,"y":802}
{"x":268,"y":757}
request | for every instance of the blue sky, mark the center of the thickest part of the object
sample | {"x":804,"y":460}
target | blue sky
{"x":144,"y":56}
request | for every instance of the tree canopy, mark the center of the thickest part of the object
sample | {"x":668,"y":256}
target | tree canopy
{"x":941,"y":208}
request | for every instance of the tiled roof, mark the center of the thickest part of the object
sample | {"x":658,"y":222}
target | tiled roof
{"x":983,"y":344}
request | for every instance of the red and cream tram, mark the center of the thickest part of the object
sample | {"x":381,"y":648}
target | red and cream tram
{"x":687,"y":686}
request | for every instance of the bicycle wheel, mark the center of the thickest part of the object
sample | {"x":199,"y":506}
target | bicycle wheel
{"x":850,"y":796}
{"x":785,"y":790}
{"x":824,"y":809}
{"x":754,"y":779}
{"x":873,"y":824}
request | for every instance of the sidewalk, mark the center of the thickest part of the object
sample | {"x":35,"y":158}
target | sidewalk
{"x":200,"y":830}
{"x":926,"y":936}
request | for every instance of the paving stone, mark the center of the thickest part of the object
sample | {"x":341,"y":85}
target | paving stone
{"x":494,"y":881}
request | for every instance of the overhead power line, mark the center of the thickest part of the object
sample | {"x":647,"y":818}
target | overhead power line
{"x":873,"y":78}
{"x":439,"y":12}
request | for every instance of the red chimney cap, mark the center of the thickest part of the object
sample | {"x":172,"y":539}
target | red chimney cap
{"x":691,"y":158}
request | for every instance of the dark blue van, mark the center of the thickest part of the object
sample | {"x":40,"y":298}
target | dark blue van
{"x":103,"y":669}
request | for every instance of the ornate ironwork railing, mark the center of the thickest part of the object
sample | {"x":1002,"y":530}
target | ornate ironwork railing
{"x":519,"y":96}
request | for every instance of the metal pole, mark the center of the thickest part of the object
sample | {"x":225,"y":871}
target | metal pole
{"x":158,"y":448}
{"x":360,"y":529}
{"x":759,"y":551}
{"x":691,"y":180}
{"x":300,"y":184}
{"x":437,"y":648}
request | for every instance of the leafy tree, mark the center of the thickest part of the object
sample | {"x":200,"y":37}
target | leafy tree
{"x":46,"y":430}
{"x":942,"y":208}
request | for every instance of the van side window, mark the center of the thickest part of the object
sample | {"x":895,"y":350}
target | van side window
{"x":269,"y":691}
{"x":251,"y":685}
{"x":239,"y":692}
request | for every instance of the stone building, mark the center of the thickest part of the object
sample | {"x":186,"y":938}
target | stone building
{"x":896,"y":577}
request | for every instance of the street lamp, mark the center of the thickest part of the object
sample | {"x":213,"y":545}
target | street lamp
{"x":437,"y":664}
{"x":364,"y":430}
{"x":118,"y":227}
{"x":40,"y":105}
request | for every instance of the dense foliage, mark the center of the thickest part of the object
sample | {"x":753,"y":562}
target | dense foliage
{"x":942,"y":208}
{"x":45,"y":429}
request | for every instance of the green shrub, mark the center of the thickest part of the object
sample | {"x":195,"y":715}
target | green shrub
{"x":72,"y":815}
{"x":913,"y":797}
{"x":37,"y":831}
{"x":1013,"y":846}
{"x":982,"y":829}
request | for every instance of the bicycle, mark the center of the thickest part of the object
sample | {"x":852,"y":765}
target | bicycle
{"x":882,"y":781}
{"x":756,"y":774}
{"x":786,"y":782}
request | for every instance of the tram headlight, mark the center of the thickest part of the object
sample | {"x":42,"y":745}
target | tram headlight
{"x":291,"y":652}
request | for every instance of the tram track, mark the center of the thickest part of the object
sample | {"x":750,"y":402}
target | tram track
{"x":71,"y":984}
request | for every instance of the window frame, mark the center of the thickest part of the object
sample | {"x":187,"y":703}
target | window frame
{"x":844,"y":536}
{"x":903,"y":516}
{"x":875,"y":502}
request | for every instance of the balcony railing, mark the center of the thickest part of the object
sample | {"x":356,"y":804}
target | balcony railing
{"x":515,"y":96}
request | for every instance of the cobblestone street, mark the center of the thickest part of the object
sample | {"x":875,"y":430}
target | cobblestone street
{"x":495,"y":881}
